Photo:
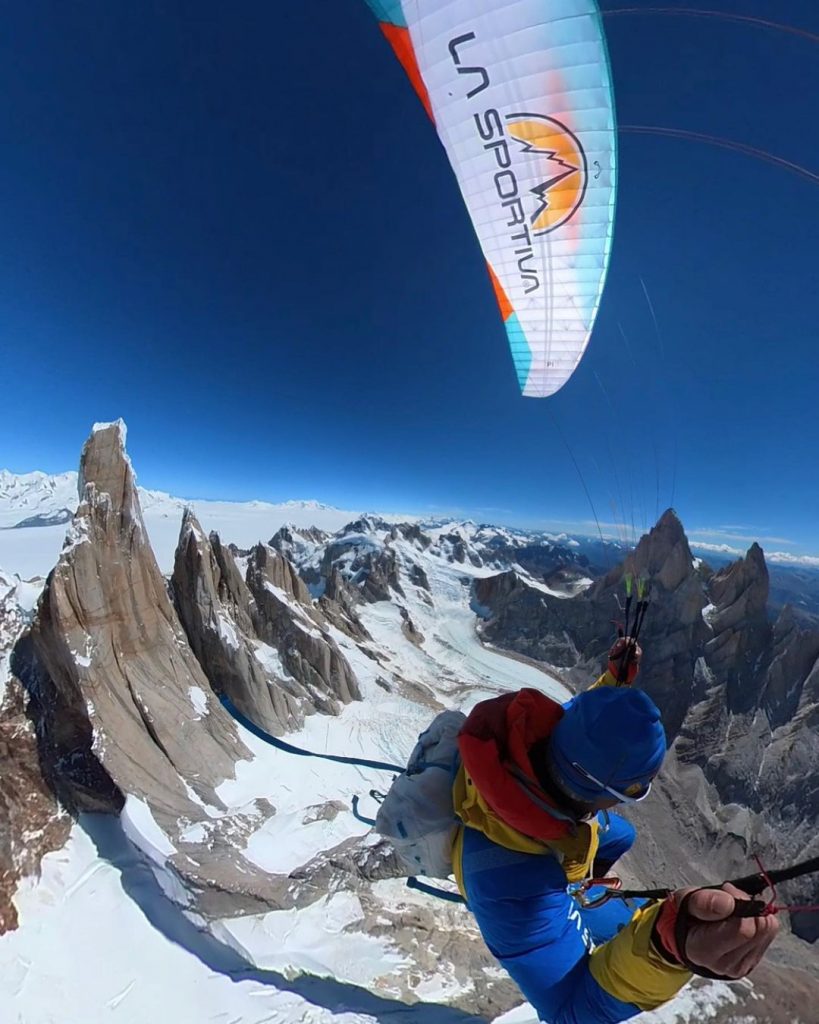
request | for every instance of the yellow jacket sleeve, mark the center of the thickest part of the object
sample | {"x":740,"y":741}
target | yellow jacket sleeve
{"x":629,"y":968}
{"x":607,"y":679}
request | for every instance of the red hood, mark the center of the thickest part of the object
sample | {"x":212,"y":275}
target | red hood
{"x":498,"y":733}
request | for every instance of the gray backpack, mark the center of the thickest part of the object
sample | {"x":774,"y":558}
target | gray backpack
{"x":417,"y":815}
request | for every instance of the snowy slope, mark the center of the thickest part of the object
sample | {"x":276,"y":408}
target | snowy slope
{"x":99,"y":941}
{"x":17,"y":603}
{"x":83,"y":901}
{"x":31,"y":494}
{"x":32,"y":551}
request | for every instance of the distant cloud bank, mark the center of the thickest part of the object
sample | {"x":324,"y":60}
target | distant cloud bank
{"x":775,"y":557}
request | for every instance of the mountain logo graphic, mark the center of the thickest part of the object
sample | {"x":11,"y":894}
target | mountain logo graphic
{"x":561,"y":166}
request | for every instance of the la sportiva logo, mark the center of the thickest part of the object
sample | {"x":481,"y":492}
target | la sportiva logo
{"x":521,"y":148}
{"x":563,"y":163}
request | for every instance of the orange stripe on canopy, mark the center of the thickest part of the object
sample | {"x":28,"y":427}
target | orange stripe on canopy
{"x":399,"y":39}
{"x":506,"y":307}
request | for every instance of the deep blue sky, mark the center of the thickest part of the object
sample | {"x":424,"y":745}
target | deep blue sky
{"x":232,"y":225}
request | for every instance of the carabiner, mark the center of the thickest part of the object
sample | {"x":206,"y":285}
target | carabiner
{"x":580,"y":891}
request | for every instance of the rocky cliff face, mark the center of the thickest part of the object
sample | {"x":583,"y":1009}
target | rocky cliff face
{"x":123,"y":706}
{"x":284,"y":617}
{"x":31,"y":823}
{"x":739,"y":696}
{"x":741,"y":634}
{"x":105,"y":634}
{"x":374,"y":569}
{"x":338,"y":605}
{"x":215,"y":608}
{"x":753,"y":732}
{"x":573,"y":634}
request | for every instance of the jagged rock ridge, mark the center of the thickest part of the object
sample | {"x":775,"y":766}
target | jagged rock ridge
{"x":123,"y":705}
{"x":265,"y":628}
{"x":258,"y":637}
{"x":31,"y":823}
{"x":739,"y":695}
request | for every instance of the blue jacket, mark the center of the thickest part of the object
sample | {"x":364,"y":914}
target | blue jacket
{"x":574,"y":966}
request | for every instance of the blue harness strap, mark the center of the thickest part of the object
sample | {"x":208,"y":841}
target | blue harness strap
{"x":433,"y":890}
{"x":288,"y":748}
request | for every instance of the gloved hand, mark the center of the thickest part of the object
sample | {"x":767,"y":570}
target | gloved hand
{"x":706,"y":931}
{"x":618,"y":653}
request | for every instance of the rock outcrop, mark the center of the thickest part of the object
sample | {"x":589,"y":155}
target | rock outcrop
{"x":260,"y":640}
{"x":214,"y":606}
{"x":31,"y":823}
{"x":123,"y":706}
{"x":410,"y":630}
{"x":740,"y":630}
{"x":739,"y":696}
{"x":794,"y":652}
{"x":298,"y":542}
{"x":521,"y":617}
{"x":109,"y":639}
{"x":372,"y":566}
{"x":411,"y":532}
{"x":284,"y":617}
{"x":338,"y":605}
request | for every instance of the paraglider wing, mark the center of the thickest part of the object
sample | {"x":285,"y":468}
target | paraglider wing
{"x":520,"y":94}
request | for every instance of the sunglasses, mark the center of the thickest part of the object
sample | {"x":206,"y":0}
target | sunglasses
{"x":636,"y":794}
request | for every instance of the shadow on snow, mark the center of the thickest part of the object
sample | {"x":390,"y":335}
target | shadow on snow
{"x":140,"y":883}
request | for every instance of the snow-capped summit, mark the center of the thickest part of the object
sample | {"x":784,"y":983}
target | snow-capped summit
{"x":24,"y":495}
{"x":39,"y":506}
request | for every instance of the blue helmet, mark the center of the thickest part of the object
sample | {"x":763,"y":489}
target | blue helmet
{"x":609,"y":740}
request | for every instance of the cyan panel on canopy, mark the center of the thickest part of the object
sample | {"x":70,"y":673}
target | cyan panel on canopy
{"x":520,"y":93}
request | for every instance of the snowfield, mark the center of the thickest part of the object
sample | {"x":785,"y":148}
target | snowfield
{"x":100,"y":942}
{"x":32,"y":551}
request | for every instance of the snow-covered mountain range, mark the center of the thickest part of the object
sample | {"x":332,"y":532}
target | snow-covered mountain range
{"x":37,"y":507}
{"x":209,"y":875}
